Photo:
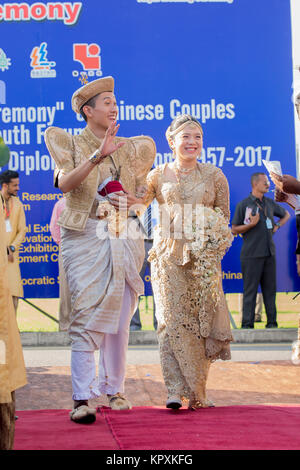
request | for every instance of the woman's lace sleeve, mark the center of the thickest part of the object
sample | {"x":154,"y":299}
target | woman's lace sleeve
{"x":152,"y":183}
{"x":222,"y":193}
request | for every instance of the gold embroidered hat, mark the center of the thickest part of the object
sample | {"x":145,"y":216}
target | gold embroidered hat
{"x":86,"y":92}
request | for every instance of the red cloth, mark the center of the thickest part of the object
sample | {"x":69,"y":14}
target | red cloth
{"x":146,"y":428}
{"x":111,"y":187}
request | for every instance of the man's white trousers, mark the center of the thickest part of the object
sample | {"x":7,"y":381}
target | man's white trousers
{"x":112,"y":359}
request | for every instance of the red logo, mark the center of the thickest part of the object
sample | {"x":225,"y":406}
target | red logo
{"x":88,"y":55}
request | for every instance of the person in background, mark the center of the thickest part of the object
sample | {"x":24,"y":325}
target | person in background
{"x":136,"y":324}
{"x":12,"y":367}
{"x":298,"y":242}
{"x":293,"y":201}
{"x":258,"y":307}
{"x":286,"y":183}
{"x":254,"y":220}
{"x":15,"y":225}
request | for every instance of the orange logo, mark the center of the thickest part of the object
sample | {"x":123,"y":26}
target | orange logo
{"x":88,"y":55}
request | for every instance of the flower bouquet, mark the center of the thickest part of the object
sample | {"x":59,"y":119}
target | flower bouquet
{"x":209,"y":238}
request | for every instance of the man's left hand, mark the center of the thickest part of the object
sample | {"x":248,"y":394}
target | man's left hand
{"x":123,"y":202}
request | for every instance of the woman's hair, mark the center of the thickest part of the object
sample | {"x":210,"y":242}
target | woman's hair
{"x":181,"y":119}
{"x":179,"y":123}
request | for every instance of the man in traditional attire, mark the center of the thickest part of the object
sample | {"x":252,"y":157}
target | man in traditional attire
{"x":15,"y":225}
{"x":102,"y":270}
{"x":12,"y":367}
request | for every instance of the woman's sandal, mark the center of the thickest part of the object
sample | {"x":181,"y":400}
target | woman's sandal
{"x":174,"y":403}
{"x":197,"y":404}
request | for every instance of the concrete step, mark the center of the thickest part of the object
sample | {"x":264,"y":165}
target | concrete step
{"x":61,"y":338}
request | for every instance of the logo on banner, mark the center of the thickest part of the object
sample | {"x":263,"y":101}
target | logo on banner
{"x":2,"y":92}
{"x":5,"y":62}
{"x":41,"y":66}
{"x":88,"y":55}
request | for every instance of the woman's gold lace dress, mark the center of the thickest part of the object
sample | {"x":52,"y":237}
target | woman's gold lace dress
{"x":189,"y":340}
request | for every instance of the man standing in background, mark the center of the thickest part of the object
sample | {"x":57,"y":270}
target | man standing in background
{"x":12,"y":367}
{"x":136,"y":324}
{"x":254,"y":220}
{"x":15,"y":226}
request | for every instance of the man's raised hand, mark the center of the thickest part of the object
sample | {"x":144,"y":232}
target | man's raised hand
{"x":108,"y":145}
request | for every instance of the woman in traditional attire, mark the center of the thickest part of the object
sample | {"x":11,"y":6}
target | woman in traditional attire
{"x":193,"y":318}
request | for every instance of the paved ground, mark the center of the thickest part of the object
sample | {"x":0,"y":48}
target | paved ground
{"x":148,"y":354}
{"x":256,"y":374}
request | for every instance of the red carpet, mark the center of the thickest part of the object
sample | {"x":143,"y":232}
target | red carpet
{"x":145,"y":428}
{"x":53,"y":430}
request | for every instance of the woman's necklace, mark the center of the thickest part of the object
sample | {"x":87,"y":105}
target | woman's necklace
{"x":186,"y":187}
{"x":182,"y":169}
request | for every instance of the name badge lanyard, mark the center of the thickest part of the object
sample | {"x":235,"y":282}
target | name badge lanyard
{"x":268,"y":220}
{"x":7,"y":214}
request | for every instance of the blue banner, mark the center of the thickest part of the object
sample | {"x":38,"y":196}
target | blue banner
{"x":227,"y":62}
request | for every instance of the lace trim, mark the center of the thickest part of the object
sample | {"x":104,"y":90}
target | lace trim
{"x":217,"y":349}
